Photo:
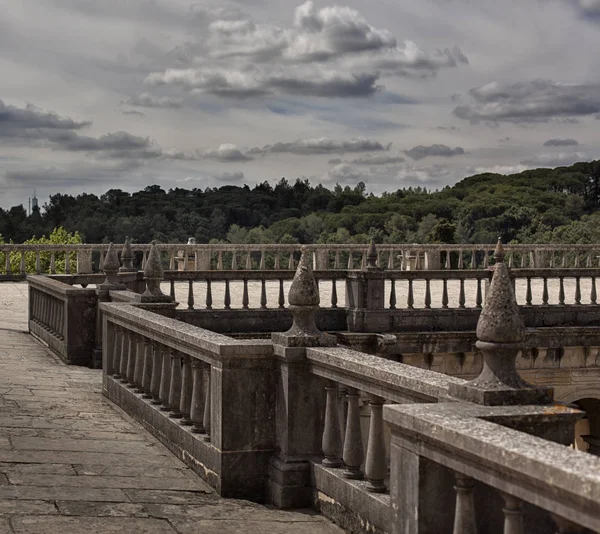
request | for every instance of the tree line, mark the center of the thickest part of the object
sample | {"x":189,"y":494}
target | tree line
{"x":542,"y":205}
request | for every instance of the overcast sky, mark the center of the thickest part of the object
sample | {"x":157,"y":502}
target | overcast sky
{"x":100,"y":94}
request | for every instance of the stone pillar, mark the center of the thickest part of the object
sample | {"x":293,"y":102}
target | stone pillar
{"x":84,"y":261}
{"x":300,"y":396}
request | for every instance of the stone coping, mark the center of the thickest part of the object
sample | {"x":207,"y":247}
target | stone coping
{"x":183,"y":336}
{"x":57,"y":288}
{"x":373,"y":374}
{"x":547,"y":474}
{"x":249,"y":274}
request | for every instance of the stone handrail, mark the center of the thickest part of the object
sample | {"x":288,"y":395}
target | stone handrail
{"x":63,"y":317}
{"x":90,"y":257}
{"x":195,"y":390}
{"x":483,"y":450}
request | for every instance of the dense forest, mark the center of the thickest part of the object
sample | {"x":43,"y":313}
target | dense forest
{"x":542,"y":205}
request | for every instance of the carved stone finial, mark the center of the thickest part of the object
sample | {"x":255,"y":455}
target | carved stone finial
{"x":499,"y":253}
{"x":304,"y":290}
{"x":372,"y":255}
{"x":111,"y":268}
{"x":127,"y":257}
{"x":153,"y":273}
{"x":500,"y":335}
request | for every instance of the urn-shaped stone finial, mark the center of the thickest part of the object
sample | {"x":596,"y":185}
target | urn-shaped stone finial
{"x":153,"y":273}
{"x":111,"y":268}
{"x":372,"y":255}
{"x":304,"y":290}
{"x":500,"y":335}
{"x":127,"y":257}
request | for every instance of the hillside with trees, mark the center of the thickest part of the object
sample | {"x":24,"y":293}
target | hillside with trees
{"x":543,"y":205}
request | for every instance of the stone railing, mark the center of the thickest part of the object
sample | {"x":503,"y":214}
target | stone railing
{"x":63,"y":317}
{"x":195,"y":390}
{"x":88,"y":258}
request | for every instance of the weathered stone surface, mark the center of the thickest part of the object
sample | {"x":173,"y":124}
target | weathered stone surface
{"x":85,"y":525}
{"x":304,"y":290}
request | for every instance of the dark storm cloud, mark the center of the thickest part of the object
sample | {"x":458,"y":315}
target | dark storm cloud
{"x":421,"y":151}
{"x":535,"y":101}
{"x":561,"y":142}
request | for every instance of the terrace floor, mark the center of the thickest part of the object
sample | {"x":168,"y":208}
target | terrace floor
{"x":70,"y":461}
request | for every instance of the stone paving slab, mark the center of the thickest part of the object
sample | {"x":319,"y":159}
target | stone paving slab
{"x":72,"y":462}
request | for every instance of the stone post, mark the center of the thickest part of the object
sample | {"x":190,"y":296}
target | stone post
{"x":84,"y":261}
{"x":127,"y":258}
{"x":365,"y":296}
{"x":300,"y":396}
{"x":500,"y":334}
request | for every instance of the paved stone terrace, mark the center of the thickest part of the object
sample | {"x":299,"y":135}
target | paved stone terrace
{"x":71,"y":462}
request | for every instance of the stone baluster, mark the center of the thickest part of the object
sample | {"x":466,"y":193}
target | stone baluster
{"x":197,"y":403}
{"x":461,"y":261}
{"x":262,"y":261}
{"x":513,"y":515}
{"x":249,"y":260}
{"x":461,"y":294}
{"x":510,"y":260}
{"x":390,"y":264}
{"x":545,"y":291}
{"x":375,"y":463}
{"x":38,"y":263}
{"x":206,"y":420}
{"x":277,"y":261}
{"x":486,"y":259}
{"x":350,"y":261}
{"x":113,"y":358}
{"x":52,"y":262}
{"x":7,"y":266}
{"x":172,"y":289}
{"x":445,"y":293}
{"x":122,"y":370}
{"x":157,"y":366}
{"x":473,"y":259}
{"x":101,"y":262}
{"x":147,"y":369}
{"x":577,"y":290}
{"x":234,"y":264}
{"x":528,"y":296}
{"x":576,"y":260}
{"x":363,"y":261}
{"x":393,"y":294}
{"x":353,"y":453}
{"x":130,"y":372}
{"x":464,"y":513}
{"x":552,"y":260}
{"x":190,"y":299}
{"x":185,"y":259}
{"x":447,"y":264}
{"x":523,"y":256}
{"x":245,"y":297}
{"x":334,"y":297}
{"x":144,"y":259}
{"x":67,"y":262}
{"x":332,"y":437}
{"x":165,"y":379}
{"x":593,"y":294}
{"x":291,"y":262}
{"x":564,"y":260}
{"x":263,"y":293}
{"x":172,"y":260}
{"x":220,"y":260}
{"x":337,"y":261}
{"x":138,"y":370}
{"x":22,"y":265}
{"x":175,"y":386}
{"x":209,"y":300}
{"x":561,"y":290}
{"x":281,"y":294}
{"x":588,"y":260}
{"x":410,"y":299}
{"x":227,"y":300}
{"x":187,"y":385}
{"x":532,"y":263}
{"x":428,"y":293}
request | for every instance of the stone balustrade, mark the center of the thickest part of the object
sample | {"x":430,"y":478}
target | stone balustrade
{"x":88,"y":258}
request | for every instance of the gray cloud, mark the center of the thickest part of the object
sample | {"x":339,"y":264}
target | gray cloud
{"x":229,"y":177}
{"x":327,"y":52}
{"x":536,"y":101}
{"x":561,"y":142}
{"x":555,"y":160}
{"x":133,"y":112}
{"x":399,"y":175}
{"x":378,"y":159}
{"x":421,"y":151}
{"x":146,"y":100}
{"x":322,"y":145}
{"x":226,"y":153}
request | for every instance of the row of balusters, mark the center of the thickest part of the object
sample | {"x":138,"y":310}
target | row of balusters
{"x":48,"y":312}
{"x":38,"y":262}
{"x":175,"y":381}
{"x":191,"y":300}
{"x":342,"y":438}
{"x":561,"y":291}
